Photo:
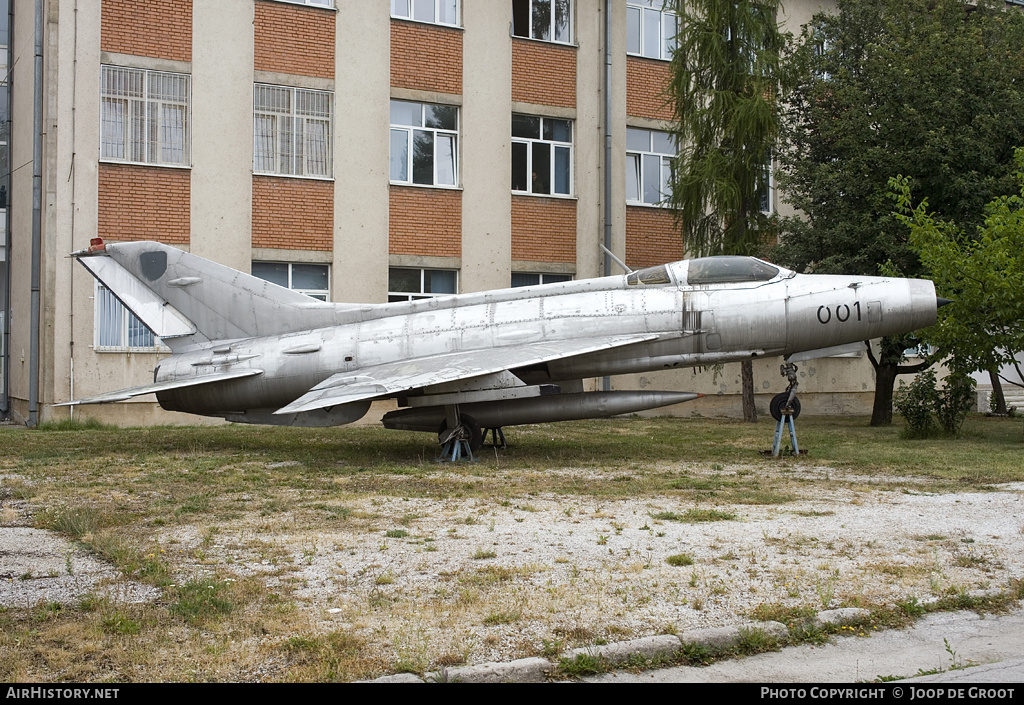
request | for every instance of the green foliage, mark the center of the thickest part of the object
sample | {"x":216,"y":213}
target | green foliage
{"x":920,"y":403}
{"x":87,"y":424}
{"x":915,"y":402}
{"x":932,"y":89}
{"x":198,"y":601}
{"x":694,"y":516}
{"x":755,"y":641}
{"x":954,"y":402}
{"x":727,"y":76}
{"x":982,"y":273}
{"x":72,"y":521}
{"x":680,"y":559}
{"x":582,"y":665}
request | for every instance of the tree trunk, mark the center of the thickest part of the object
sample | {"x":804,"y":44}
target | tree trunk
{"x":997,"y":394}
{"x":885,"y":381}
{"x":747,"y":377}
{"x":887,"y":369}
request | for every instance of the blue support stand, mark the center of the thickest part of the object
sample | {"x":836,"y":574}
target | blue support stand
{"x":454,"y":450}
{"x":787,"y":419}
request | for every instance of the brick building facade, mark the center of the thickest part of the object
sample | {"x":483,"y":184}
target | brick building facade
{"x":341,"y":144}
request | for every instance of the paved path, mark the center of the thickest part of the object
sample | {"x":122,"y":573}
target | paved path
{"x":996,"y":642}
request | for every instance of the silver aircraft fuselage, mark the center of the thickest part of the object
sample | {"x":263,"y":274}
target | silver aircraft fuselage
{"x":495,"y":349}
{"x":697,"y":325}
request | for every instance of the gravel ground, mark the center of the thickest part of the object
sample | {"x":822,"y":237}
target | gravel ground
{"x":475,"y":580}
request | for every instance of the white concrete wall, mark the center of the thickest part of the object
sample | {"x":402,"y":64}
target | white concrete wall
{"x":222,"y":131}
{"x":589,"y":136}
{"x":485,"y":129}
{"x":361,"y":121}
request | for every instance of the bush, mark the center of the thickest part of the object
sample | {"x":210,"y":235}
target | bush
{"x":915,"y":402}
{"x":920,"y":403}
{"x":954,"y":402}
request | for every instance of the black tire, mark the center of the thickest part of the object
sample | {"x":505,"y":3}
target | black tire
{"x":777,"y":402}
{"x":476,"y":434}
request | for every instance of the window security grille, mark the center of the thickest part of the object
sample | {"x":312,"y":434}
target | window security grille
{"x":144,"y":116}
{"x":292,"y":131}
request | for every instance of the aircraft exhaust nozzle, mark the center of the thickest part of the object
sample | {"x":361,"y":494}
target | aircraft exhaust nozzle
{"x":543,"y":409}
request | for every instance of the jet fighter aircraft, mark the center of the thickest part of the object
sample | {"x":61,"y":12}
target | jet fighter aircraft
{"x":249,"y":351}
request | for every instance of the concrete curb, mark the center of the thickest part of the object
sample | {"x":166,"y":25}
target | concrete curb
{"x":841,"y":616}
{"x":539,"y":670}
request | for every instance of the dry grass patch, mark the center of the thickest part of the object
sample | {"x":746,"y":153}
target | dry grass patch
{"x":336,"y":554}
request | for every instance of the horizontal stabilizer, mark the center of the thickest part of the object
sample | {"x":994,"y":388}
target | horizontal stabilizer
{"x":405,"y":375}
{"x":125,"y":394}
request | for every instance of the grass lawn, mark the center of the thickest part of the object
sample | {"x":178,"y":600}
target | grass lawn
{"x":116,"y":490}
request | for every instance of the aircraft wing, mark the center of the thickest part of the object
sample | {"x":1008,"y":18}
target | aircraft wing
{"x":125,"y":394}
{"x":405,"y":375}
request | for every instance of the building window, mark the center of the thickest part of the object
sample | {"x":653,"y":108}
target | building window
{"x":310,"y":279}
{"x":116,"y":329}
{"x":411,"y":284}
{"x":532,"y":279}
{"x":424,"y":143}
{"x":649,"y":157}
{"x":546,"y":20}
{"x":433,"y":11}
{"x":292,"y":131}
{"x":541,"y":155}
{"x":650,"y":29}
{"x":144,"y":116}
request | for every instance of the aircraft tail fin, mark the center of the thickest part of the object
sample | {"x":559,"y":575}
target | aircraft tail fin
{"x":188,"y":300}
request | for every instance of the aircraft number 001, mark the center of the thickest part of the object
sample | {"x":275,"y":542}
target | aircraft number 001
{"x":842,"y":313}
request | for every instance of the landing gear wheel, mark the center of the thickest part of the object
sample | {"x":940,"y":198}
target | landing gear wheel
{"x":778,"y":401}
{"x":472,"y":428}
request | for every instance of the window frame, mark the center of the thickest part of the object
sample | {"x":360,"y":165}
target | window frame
{"x":112,"y":316}
{"x":395,"y":296}
{"x":311,"y":293}
{"x":129,"y":134}
{"x":551,"y":277}
{"x":637,"y":156}
{"x":285,"y":143}
{"x":410,"y":17}
{"x":530,"y":4}
{"x":438,"y":136}
{"x":554,"y":145}
{"x":641,"y":9}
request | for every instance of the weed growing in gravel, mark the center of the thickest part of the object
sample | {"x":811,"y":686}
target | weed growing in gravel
{"x":199,"y":601}
{"x":694,"y":516}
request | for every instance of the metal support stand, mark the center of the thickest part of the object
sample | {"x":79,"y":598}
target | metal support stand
{"x":497,"y":437}
{"x":455,"y":440}
{"x":454,"y":450}
{"x":787,"y":410}
{"x":787,"y":419}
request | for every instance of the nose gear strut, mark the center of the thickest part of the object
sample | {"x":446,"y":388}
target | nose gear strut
{"x":785,"y":407}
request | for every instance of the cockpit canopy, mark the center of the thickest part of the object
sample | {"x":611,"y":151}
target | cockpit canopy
{"x":726,"y":269}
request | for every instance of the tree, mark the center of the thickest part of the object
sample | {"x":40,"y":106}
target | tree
{"x":932,"y":89}
{"x":983,"y":274}
{"x":726,"y":81}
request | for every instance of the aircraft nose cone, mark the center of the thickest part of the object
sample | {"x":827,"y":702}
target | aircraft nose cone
{"x":940,"y":302}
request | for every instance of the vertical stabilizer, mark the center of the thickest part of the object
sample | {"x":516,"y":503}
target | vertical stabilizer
{"x":188,"y":300}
